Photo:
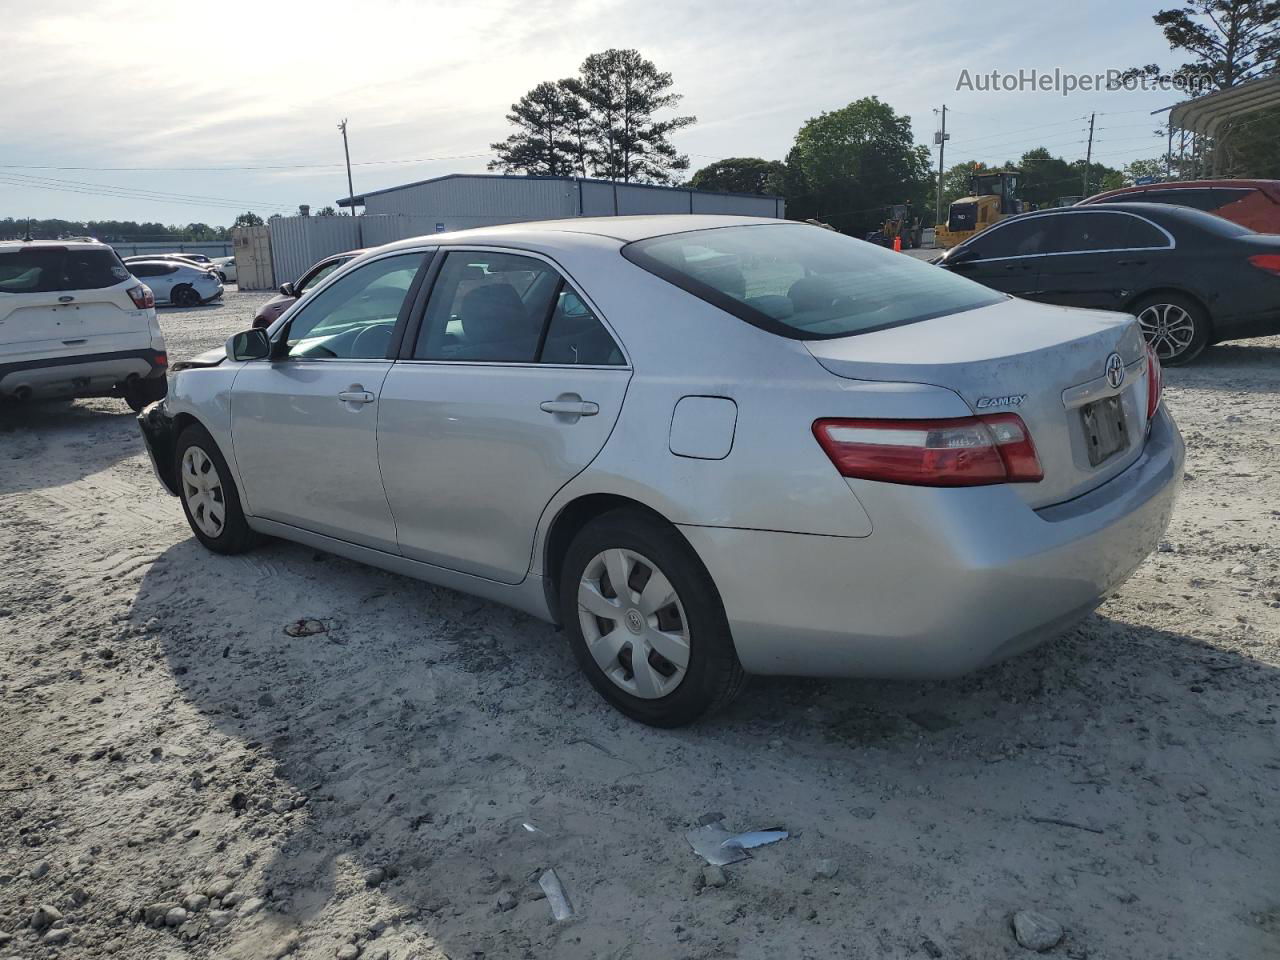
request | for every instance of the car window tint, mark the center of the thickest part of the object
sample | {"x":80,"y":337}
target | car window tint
{"x":1142,"y":234}
{"x":47,"y":269}
{"x":487,"y":307}
{"x":575,"y":335}
{"x":314,"y":278}
{"x":354,"y":317}
{"x":1019,"y":238}
{"x":1202,"y":198}
{"x":805,"y":282}
{"x":1085,"y":232}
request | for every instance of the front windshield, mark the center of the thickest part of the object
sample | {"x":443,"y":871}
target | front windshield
{"x":806,"y":282}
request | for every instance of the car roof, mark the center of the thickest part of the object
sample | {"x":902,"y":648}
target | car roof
{"x":1266,"y":186}
{"x":79,"y":244}
{"x":623,"y":229}
{"x":1152,"y":211}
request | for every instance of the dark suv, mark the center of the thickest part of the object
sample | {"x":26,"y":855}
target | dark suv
{"x":1251,"y":203}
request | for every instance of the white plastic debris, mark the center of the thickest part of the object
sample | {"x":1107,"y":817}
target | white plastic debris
{"x":550,"y":884}
{"x":755,"y":838}
{"x":719,"y":846}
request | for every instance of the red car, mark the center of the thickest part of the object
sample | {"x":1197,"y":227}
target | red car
{"x":1251,"y":203}
{"x":290,"y":292}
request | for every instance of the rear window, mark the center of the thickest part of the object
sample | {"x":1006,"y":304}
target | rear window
{"x":806,"y":282}
{"x":49,"y":269}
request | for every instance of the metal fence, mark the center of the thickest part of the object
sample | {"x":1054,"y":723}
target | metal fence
{"x":216,"y":248}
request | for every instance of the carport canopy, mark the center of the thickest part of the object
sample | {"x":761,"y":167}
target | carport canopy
{"x":1204,"y":115}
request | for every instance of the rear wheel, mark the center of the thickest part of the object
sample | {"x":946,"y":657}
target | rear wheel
{"x":185,"y":296}
{"x":208,"y":494}
{"x":645,"y":621}
{"x":1176,"y":327}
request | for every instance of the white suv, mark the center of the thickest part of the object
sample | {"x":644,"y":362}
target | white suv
{"x":74,"y":323}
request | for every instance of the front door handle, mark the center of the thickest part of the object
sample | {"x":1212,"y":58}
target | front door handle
{"x":1131,"y":263}
{"x":354,"y":394}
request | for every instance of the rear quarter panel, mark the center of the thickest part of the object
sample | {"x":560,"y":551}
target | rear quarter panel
{"x":776,"y":476}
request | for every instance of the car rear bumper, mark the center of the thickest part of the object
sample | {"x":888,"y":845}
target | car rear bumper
{"x":79,"y":375}
{"x":950,"y":579}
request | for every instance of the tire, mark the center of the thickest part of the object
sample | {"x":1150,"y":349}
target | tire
{"x":184,"y":296}
{"x":232,"y":535}
{"x":222,"y":276}
{"x":664,"y":693}
{"x":1176,"y":327}
{"x":139,"y":393}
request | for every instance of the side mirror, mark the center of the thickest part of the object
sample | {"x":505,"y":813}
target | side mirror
{"x":249,"y":345}
{"x":286,"y":289}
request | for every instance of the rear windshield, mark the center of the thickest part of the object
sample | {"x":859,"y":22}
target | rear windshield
{"x":806,"y":282}
{"x":49,"y":269}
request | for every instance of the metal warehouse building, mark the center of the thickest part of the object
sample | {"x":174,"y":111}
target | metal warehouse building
{"x":463,"y":200}
{"x":284,"y":248}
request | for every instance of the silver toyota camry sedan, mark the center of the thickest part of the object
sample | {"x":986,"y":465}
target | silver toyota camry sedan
{"x":705,"y":446}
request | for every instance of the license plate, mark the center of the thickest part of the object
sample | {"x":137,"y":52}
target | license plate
{"x":1104,"y":428}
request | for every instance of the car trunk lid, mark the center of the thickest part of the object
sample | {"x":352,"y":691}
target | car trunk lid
{"x":1047,"y":364}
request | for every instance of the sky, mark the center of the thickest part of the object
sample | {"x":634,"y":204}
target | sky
{"x":106,"y":101}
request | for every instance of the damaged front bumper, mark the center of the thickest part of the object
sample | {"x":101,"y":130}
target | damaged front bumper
{"x":161,"y":436}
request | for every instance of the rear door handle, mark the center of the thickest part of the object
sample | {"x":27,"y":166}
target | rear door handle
{"x":1131,"y":263}
{"x":570,"y":408}
{"x":355,"y":395}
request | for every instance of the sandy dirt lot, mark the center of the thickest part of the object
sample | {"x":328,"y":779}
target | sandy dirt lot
{"x":180,"y":777}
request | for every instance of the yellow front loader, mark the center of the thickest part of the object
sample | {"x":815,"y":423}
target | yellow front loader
{"x":993,"y":195}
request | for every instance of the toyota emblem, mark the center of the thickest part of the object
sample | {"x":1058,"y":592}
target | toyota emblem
{"x":1115,"y":370}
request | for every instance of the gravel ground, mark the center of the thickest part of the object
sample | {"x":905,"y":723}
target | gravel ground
{"x":180,"y":776}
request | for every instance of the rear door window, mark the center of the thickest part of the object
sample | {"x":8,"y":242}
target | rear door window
{"x":50,"y":269}
{"x":1090,"y":232}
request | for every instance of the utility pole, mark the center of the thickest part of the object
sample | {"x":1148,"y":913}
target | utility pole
{"x":941,"y":138}
{"x":351,"y":192}
{"x":1088,"y":157}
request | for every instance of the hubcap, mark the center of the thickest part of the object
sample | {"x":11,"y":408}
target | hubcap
{"x":202,"y":489}
{"x":1168,"y":328}
{"x":633,"y":623}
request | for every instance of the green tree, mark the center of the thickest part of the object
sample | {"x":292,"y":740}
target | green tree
{"x":620,"y":92}
{"x":1231,"y":42}
{"x":544,"y":142}
{"x":327,"y":211}
{"x":849,"y":164}
{"x":742,"y":175}
{"x":248,"y":219}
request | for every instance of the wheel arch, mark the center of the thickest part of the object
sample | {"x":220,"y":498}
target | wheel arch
{"x":1178,"y":291}
{"x":571,"y":519}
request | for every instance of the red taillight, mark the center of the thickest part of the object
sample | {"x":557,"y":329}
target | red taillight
{"x":161,"y":360}
{"x":963,"y":452}
{"x":142,"y":296}
{"x":1155,"y":382}
{"x":1269,"y":262}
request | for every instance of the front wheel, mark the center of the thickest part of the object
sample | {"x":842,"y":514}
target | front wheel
{"x":208,"y":494}
{"x":185,"y":296}
{"x":1176,"y":327}
{"x":645,"y":621}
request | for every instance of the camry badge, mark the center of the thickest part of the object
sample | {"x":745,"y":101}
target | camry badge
{"x":1115,"y":370}
{"x":1013,"y":400}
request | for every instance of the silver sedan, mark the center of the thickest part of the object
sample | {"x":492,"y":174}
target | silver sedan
{"x":705,"y":446}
